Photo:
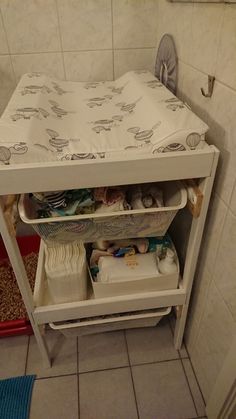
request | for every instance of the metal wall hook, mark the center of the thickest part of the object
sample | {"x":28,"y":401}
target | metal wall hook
{"x":211,"y":81}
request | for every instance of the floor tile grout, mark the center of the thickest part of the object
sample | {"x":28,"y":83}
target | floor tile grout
{"x":104,"y":369}
{"x":190,"y":390}
{"x":188,"y":357}
{"x":131,"y":373}
{"x":78,"y":389}
{"x":132,"y":365}
{"x":56,"y":376}
{"x":194,"y":373}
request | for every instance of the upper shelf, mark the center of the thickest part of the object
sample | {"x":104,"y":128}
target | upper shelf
{"x":23,"y":178}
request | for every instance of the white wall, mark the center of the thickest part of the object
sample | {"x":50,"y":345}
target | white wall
{"x":75,"y":39}
{"x":205,"y":36}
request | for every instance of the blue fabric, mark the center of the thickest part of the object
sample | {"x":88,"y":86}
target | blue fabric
{"x":15,"y":397}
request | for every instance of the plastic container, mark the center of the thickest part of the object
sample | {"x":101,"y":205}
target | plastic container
{"x":158,"y":282}
{"x":118,"y":225}
{"x":108,"y":323}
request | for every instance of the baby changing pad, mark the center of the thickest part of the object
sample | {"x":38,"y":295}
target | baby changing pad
{"x":49,"y":120}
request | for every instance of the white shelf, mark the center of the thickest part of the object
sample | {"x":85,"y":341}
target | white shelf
{"x":23,"y":178}
{"x":45,"y":311}
{"x":16,"y":179}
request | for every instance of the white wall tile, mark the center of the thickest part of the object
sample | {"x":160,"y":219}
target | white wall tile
{"x":3,"y":40}
{"x":135,"y":23}
{"x":233,"y":200}
{"x":7,"y":81}
{"x":206,"y":25}
{"x":222,"y":122}
{"x":88,"y":65}
{"x":212,"y":232}
{"x":191,"y":82}
{"x":176,"y":19}
{"x":133,"y":59}
{"x":225,"y":267}
{"x":226,"y":63}
{"x":49,"y":63}
{"x":216,"y":333}
{"x":31,"y":25}
{"x":197,"y":305}
{"x":85,"y":24}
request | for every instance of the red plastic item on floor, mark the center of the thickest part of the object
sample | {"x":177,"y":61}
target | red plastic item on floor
{"x":27,"y":244}
{"x":15,"y":328}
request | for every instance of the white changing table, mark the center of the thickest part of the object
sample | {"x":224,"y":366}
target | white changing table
{"x":16,"y":179}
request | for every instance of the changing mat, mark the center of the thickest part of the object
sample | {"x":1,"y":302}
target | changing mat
{"x":48,"y":120}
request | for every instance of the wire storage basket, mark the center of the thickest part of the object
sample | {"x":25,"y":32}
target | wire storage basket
{"x":117,"y":225}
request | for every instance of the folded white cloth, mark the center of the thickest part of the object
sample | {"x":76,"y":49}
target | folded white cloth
{"x":65,"y":267}
{"x":135,"y":267}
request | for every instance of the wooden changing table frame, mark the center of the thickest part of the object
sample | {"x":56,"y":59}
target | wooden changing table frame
{"x":16,"y":179}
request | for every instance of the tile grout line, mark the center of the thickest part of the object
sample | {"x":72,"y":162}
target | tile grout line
{"x":56,"y":376}
{"x":60,"y":37}
{"x":221,"y":25}
{"x":132,"y":365}
{"x":76,"y":50}
{"x":131,"y":373}
{"x":206,"y":74}
{"x":181,"y":360}
{"x":188,"y":357}
{"x":195,"y":375}
{"x":188,"y":384}
{"x":8,"y":46}
{"x":78,"y":389}
{"x":112,"y":42}
{"x":27,"y":353}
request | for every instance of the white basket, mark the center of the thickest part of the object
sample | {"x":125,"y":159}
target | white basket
{"x":118,"y":225}
{"x":156,"y":283}
{"x":108,"y":323}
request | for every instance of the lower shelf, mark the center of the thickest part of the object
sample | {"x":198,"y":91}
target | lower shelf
{"x":45,"y":311}
{"x":111,"y":322}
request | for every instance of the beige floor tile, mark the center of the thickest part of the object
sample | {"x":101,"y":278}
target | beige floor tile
{"x":102,"y":351}
{"x":199,"y":403}
{"x":55,"y":398}
{"x":151,"y":344}
{"x":13,"y":353}
{"x":162,"y":391}
{"x":63,"y":352}
{"x":107,"y":395}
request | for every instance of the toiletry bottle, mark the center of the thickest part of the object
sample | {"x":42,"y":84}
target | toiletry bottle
{"x":167,"y":265}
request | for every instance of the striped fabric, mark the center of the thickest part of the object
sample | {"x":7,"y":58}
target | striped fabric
{"x":15,"y":397}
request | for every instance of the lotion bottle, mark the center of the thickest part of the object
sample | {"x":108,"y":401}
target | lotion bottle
{"x":168,"y":265}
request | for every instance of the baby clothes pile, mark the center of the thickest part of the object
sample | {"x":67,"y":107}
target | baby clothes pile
{"x":97,"y":200}
{"x":66,"y":271}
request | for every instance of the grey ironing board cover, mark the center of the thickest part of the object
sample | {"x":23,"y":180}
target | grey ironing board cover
{"x":167,"y":63}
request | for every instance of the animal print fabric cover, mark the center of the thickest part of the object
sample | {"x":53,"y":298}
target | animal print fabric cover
{"x":51,"y":120}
